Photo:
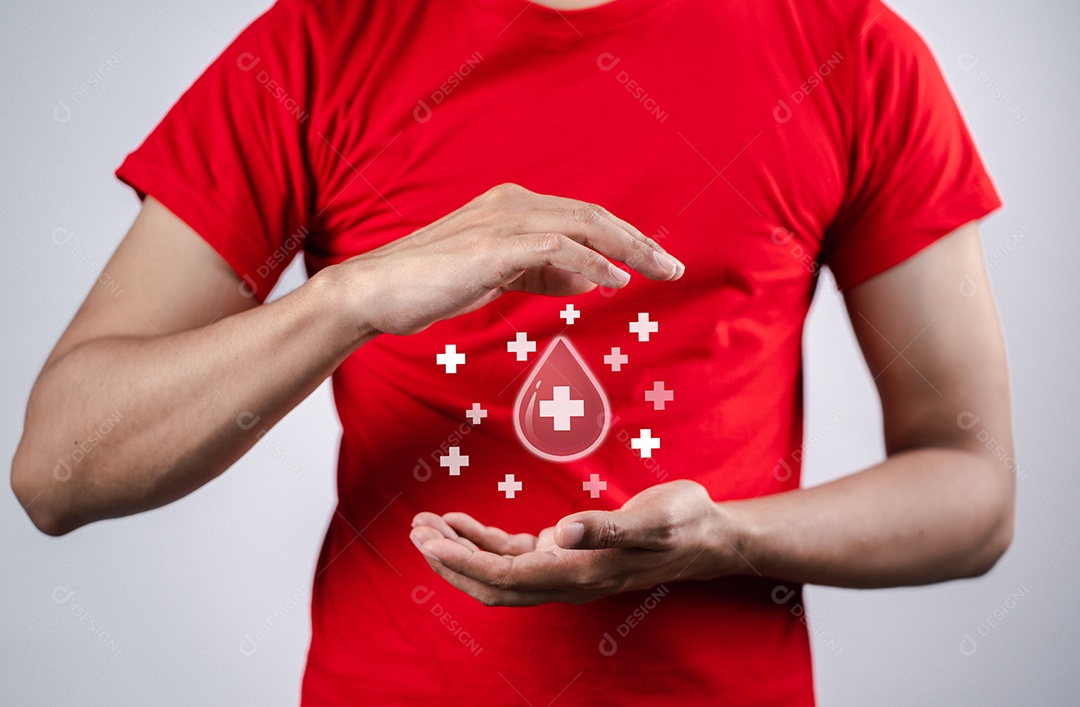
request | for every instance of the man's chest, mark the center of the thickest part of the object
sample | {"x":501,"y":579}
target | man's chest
{"x":687,"y":147}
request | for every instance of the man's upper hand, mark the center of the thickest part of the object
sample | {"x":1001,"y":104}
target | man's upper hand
{"x":508,"y":238}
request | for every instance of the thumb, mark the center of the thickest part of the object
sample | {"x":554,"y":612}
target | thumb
{"x":594,"y":530}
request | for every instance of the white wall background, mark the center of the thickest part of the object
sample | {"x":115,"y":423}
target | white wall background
{"x":174,"y":591}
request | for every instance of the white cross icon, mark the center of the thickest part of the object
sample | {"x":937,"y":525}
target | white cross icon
{"x":616,"y":359}
{"x":451,"y":359}
{"x":454,"y":460}
{"x":521,"y":346}
{"x":645,"y":443}
{"x":570,"y":314}
{"x":643,"y":327}
{"x":561,"y":408}
{"x":476,"y":413}
{"x":594,"y":486}
{"x":510,"y":486}
{"x":658,"y":396}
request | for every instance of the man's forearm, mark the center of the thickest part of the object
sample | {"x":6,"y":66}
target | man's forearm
{"x":122,"y":424}
{"x":922,"y":516}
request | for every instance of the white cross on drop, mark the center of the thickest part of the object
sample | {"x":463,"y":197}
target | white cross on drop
{"x":645,"y":443}
{"x":561,"y":408}
{"x":476,"y":413}
{"x":658,"y":396}
{"x":521,"y":346}
{"x":454,"y":460}
{"x":643,"y":327}
{"x":450,"y":358}
{"x":594,"y":486}
{"x":570,"y":314}
{"x":510,"y":486}
{"x":616,"y":359}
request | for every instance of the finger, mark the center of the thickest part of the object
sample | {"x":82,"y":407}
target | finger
{"x":528,"y":572}
{"x":551,"y":281}
{"x":436,"y":527}
{"x":596,"y":227}
{"x":435,"y":521}
{"x":535,"y":250}
{"x":423,"y":533}
{"x":605,"y":529}
{"x":493,"y":596}
{"x":491,"y":539}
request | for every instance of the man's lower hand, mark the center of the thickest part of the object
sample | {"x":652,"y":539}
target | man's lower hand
{"x":668,"y":532}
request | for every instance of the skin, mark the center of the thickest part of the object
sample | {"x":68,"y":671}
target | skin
{"x":940,"y":507}
{"x":172,"y":353}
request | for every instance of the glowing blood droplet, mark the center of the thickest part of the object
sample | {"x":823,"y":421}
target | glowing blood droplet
{"x":561,"y":413}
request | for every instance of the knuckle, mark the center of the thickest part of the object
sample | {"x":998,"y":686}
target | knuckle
{"x":506,"y":190}
{"x":549,"y":243}
{"x":608,"y":534}
{"x":590,"y":213}
{"x":593,"y":261}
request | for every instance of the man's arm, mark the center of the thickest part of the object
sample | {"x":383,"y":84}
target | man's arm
{"x":172,"y":360}
{"x":940,"y":507}
{"x":155,"y":391}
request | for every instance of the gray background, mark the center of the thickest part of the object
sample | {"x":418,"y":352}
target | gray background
{"x":170,"y":595}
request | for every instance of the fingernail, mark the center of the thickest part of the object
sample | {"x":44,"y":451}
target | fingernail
{"x":572,"y":534}
{"x":426,"y":549}
{"x":620,"y":276}
{"x":666,"y":262}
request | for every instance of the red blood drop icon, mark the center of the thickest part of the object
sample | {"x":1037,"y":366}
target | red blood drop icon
{"x":561,"y":413}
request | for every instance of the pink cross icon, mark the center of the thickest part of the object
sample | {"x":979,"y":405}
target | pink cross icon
{"x":658,"y":396}
{"x":594,"y":486}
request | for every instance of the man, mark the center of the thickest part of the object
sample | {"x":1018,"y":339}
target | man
{"x":456,"y":174}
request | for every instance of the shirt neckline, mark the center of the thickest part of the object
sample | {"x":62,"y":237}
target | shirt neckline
{"x":542,"y":19}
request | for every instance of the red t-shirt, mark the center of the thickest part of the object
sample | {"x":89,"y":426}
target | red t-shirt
{"x":756,"y":141}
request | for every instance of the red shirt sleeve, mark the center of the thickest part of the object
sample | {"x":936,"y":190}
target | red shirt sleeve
{"x":916,"y":174}
{"x":229,"y":158}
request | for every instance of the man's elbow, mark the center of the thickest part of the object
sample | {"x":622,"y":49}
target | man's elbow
{"x":999,"y":535}
{"x":32,"y":488}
